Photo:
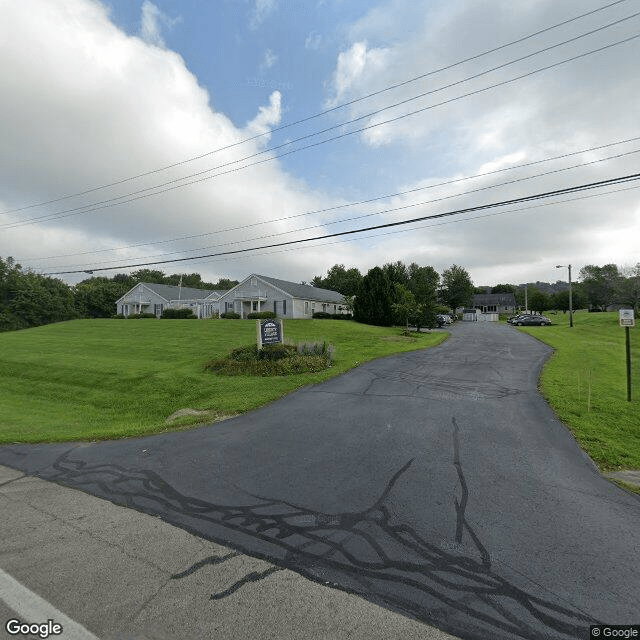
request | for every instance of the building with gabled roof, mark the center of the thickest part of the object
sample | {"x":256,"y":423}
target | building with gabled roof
{"x":148,"y":297}
{"x":255,"y":293}
{"x":495,"y":302}
{"x":286,"y":299}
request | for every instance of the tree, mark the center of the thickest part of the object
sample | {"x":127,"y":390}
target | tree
{"x":423,"y":283}
{"x":629,"y":287}
{"x":96,"y":297}
{"x":148,"y":275}
{"x":560,"y":300}
{"x":600,"y":284}
{"x":396,"y":272}
{"x":405,"y":306}
{"x":539,"y":301}
{"x":340,"y":279}
{"x":457,"y":287}
{"x":372,"y":304}
{"x":504,"y":288}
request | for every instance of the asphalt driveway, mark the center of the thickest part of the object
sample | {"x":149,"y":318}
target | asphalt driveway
{"x":436,"y":483}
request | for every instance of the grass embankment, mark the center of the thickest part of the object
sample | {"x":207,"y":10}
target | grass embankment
{"x":585,"y":382}
{"x":102,"y":379}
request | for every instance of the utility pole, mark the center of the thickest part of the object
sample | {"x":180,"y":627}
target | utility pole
{"x":560,"y":266}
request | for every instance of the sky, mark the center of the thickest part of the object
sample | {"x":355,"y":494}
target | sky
{"x":136,"y":132}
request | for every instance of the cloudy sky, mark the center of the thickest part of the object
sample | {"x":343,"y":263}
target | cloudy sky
{"x":135,"y":132}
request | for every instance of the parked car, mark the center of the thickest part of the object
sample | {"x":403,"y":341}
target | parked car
{"x":532,"y":320}
{"x":442,"y":319}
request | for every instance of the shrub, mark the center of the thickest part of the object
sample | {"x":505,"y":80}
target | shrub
{"x":137,"y":316}
{"x":178,"y":314}
{"x":321,"y":315}
{"x":120,"y":316}
{"x":230,"y":315}
{"x":342,"y":316}
{"x":274,"y":360}
{"x":261,"y":315}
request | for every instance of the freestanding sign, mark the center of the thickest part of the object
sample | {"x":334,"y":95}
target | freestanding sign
{"x":269,"y":332}
{"x":627,"y":319}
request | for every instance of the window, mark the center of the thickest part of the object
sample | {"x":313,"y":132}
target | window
{"x":275,"y":307}
{"x":125,"y":309}
{"x":306,"y":307}
{"x":284,"y":307}
{"x":157,"y":309}
{"x":254,"y":306}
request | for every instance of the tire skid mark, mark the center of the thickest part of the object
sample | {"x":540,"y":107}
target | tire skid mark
{"x":369,"y":552}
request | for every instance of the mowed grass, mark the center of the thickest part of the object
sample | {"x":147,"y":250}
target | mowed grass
{"x":103,"y":379}
{"x":585,"y":382}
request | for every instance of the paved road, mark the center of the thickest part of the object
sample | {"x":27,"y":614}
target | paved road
{"x":437,"y":483}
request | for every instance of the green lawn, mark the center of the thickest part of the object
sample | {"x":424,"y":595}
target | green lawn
{"x":585,"y":382}
{"x":101,"y":379}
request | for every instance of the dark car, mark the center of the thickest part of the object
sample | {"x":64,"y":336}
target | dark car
{"x":532,"y":320}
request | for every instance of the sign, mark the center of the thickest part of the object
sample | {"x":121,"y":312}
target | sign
{"x":269,"y":332}
{"x":627,"y":318}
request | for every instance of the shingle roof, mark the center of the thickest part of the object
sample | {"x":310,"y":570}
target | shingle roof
{"x":497,"y":299}
{"x":305,"y":291}
{"x":169,"y":292}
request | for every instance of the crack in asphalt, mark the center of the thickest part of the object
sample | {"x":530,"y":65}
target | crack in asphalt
{"x":390,"y":561}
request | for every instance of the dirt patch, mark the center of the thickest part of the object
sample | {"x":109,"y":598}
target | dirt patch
{"x":206,"y":415}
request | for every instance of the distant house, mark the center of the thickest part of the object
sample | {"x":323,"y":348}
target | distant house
{"x":494,"y":302}
{"x":285,"y":299}
{"x":254,"y":293}
{"x":147,"y":297}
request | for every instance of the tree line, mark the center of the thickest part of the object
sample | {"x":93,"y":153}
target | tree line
{"x":399,"y":294}
{"x":597,"y":288}
{"x":29,"y":299}
{"x":393,"y":293}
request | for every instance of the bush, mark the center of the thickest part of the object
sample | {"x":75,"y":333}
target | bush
{"x":321,"y":315}
{"x":178,"y":314}
{"x":274,"y":360}
{"x":136,"y":316}
{"x":342,"y":316}
{"x":230,"y":315}
{"x":261,"y":315}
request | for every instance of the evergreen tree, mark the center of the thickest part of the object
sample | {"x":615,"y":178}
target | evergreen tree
{"x":372,"y":304}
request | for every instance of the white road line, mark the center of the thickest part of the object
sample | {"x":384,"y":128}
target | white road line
{"x":35,"y":610}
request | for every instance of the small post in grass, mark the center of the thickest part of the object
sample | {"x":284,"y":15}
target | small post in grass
{"x":627,"y":320}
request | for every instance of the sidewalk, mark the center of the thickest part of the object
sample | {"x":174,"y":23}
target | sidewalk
{"x":124,"y":575}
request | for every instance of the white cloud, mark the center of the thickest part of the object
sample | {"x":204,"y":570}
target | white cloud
{"x":262,"y":10}
{"x":357,"y":67}
{"x":268,"y":60}
{"x":84,"y":105}
{"x":152,"y":23}
{"x":573,"y":106}
{"x":267,"y":117}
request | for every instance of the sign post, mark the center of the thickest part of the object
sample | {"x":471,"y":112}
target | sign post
{"x":627,"y":320}
{"x":269,"y":332}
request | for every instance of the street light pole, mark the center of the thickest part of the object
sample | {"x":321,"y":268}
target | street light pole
{"x":560,"y":266}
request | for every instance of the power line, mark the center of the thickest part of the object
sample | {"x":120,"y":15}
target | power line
{"x":394,"y":209}
{"x":538,"y":196}
{"x":113,"y":201}
{"x":357,"y":203}
{"x":321,"y":113}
